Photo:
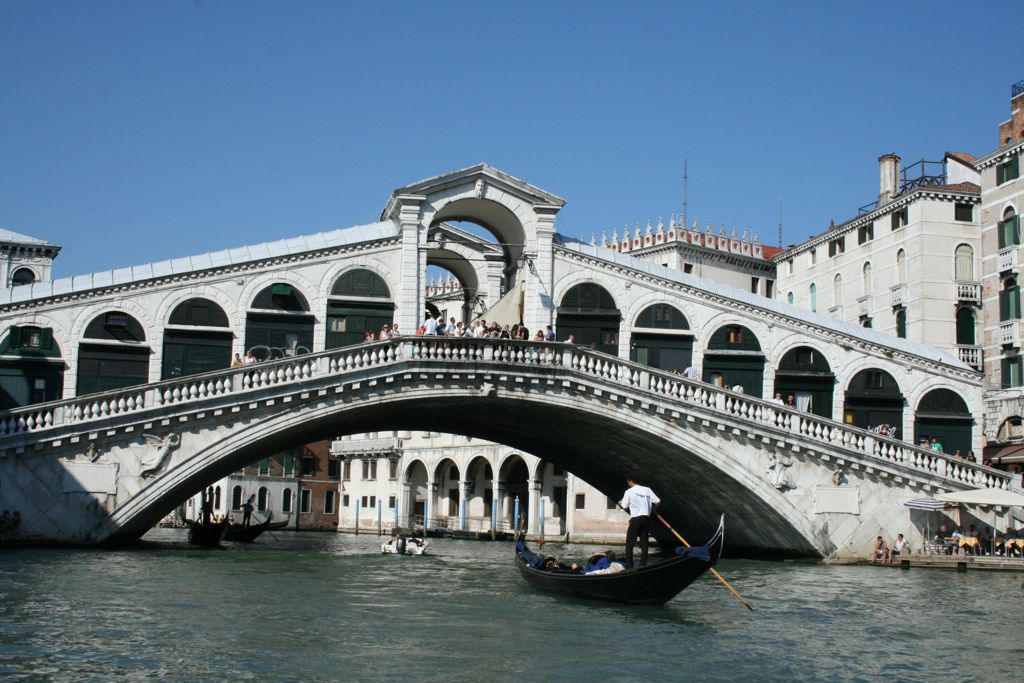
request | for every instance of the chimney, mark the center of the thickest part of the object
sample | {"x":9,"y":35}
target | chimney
{"x":889,"y":178}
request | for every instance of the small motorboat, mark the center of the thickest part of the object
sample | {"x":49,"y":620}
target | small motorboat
{"x":238,"y":533}
{"x":207,"y":535}
{"x":405,"y":545}
{"x":655,"y":584}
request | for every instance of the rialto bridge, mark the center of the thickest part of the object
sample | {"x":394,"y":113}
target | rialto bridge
{"x":120,"y":402}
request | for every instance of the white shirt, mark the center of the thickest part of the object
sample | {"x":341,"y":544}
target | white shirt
{"x":431,"y":326}
{"x":639,"y":500}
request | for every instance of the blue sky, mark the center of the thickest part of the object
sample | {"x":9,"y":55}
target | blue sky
{"x":137,"y":131}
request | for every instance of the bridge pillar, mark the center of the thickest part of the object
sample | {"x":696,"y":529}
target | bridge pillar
{"x":463,"y":502}
{"x":414,"y":261}
{"x":533,"y":516}
{"x":539,"y":275}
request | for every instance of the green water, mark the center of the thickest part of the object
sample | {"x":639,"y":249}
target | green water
{"x":330,"y":607}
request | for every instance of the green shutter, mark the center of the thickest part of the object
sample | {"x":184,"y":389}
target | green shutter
{"x":1014,"y":303}
{"x":15,"y":337}
{"x":46,"y":338}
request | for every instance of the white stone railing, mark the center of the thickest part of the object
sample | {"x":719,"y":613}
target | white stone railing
{"x":899,"y":295}
{"x":968,"y":291}
{"x":300,"y":370}
{"x":971,"y":355}
{"x":1008,"y":258}
{"x":864,"y":305}
{"x":1009,"y":333}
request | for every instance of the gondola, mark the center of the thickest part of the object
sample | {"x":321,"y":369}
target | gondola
{"x":238,"y":533}
{"x":207,"y":535}
{"x":655,"y":584}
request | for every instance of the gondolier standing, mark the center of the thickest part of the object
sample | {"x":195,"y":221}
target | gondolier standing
{"x":641,"y":503}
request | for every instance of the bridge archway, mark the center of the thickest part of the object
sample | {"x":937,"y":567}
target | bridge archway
{"x":942,"y":414}
{"x":515,"y":474}
{"x":190,"y":346}
{"x":33,"y":367}
{"x":480,"y":489}
{"x":805,"y":374}
{"x":873,"y":398}
{"x":418,"y":501}
{"x":734,"y":358}
{"x":113,"y":354}
{"x":661,"y":338}
{"x":359,"y":301}
{"x":588,"y":313}
{"x":446,"y":483}
{"x":495,"y":218}
{"x":279,"y":319}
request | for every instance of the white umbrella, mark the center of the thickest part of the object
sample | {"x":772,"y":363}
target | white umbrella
{"x":983,"y":497}
{"x":929,"y":504}
{"x":1001,"y":497}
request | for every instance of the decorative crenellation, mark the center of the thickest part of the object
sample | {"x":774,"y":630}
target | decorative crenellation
{"x":443,"y":287}
{"x":677,"y":233}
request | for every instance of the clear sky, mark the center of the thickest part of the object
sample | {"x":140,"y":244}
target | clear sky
{"x":141,"y":130}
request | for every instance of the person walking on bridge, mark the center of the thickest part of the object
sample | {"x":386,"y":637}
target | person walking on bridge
{"x":641,"y":503}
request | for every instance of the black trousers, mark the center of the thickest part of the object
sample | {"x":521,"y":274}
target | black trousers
{"x":639,"y":529}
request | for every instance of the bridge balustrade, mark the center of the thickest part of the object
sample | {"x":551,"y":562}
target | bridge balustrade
{"x":237,"y":382}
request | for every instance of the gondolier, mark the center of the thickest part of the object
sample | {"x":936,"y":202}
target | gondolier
{"x":641,"y":503}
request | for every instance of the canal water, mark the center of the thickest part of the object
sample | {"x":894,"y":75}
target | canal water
{"x":302,"y":607}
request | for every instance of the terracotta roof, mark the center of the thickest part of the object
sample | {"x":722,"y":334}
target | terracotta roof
{"x":963,"y":156}
{"x":955,"y":187}
{"x":770,"y":252}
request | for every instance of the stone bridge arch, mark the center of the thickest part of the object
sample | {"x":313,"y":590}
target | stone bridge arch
{"x":688,"y":469}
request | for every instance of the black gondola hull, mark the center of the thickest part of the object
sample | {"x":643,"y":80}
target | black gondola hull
{"x":654,"y":584}
{"x":206,"y":535}
{"x":238,"y":533}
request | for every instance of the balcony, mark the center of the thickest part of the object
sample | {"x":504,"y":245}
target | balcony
{"x":1009,"y":333}
{"x":899,"y":295}
{"x":368,"y":447}
{"x":969,"y":292}
{"x":1008,"y":258}
{"x":836,"y":312}
{"x":971,"y":355}
{"x":864,"y":305}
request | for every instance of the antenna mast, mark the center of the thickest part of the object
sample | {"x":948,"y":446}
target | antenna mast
{"x":686,"y":184}
{"x":780,"y":221}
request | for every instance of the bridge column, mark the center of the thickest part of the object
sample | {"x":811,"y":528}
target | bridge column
{"x":411,"y":303}
{"x":463,"y":503}
{"x":500,"y":501}
{"x":539,"y":307}
{"x":431,"y":506}
{"x":534,"y":507}
{"x":405,"y":498}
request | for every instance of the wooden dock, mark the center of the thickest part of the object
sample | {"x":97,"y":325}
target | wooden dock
{"x":960,"y":563}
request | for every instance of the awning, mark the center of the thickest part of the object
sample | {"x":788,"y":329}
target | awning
{"x":1005,"y":454}
{"x":983,"y":497}
{"x":926,"y":504}
{"x":508,"y":310}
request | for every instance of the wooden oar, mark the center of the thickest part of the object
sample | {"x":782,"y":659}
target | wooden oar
{"x":713,"y":571}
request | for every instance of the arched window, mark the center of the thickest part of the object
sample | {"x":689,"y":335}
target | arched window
{"x":22,"y":276}
{"x":963,"y":270}
{"x":814,"y":297}
{"x":236,"y":498}
{"x":261,"y":499}
{"x":837,"y":290}
{"x":790,"y":298}
{"x":1009,"y":229}
{"x":286,"y":500}
{"x":866,"y":286}
{"x":901,"y":267}
{"x":216,"y":498}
